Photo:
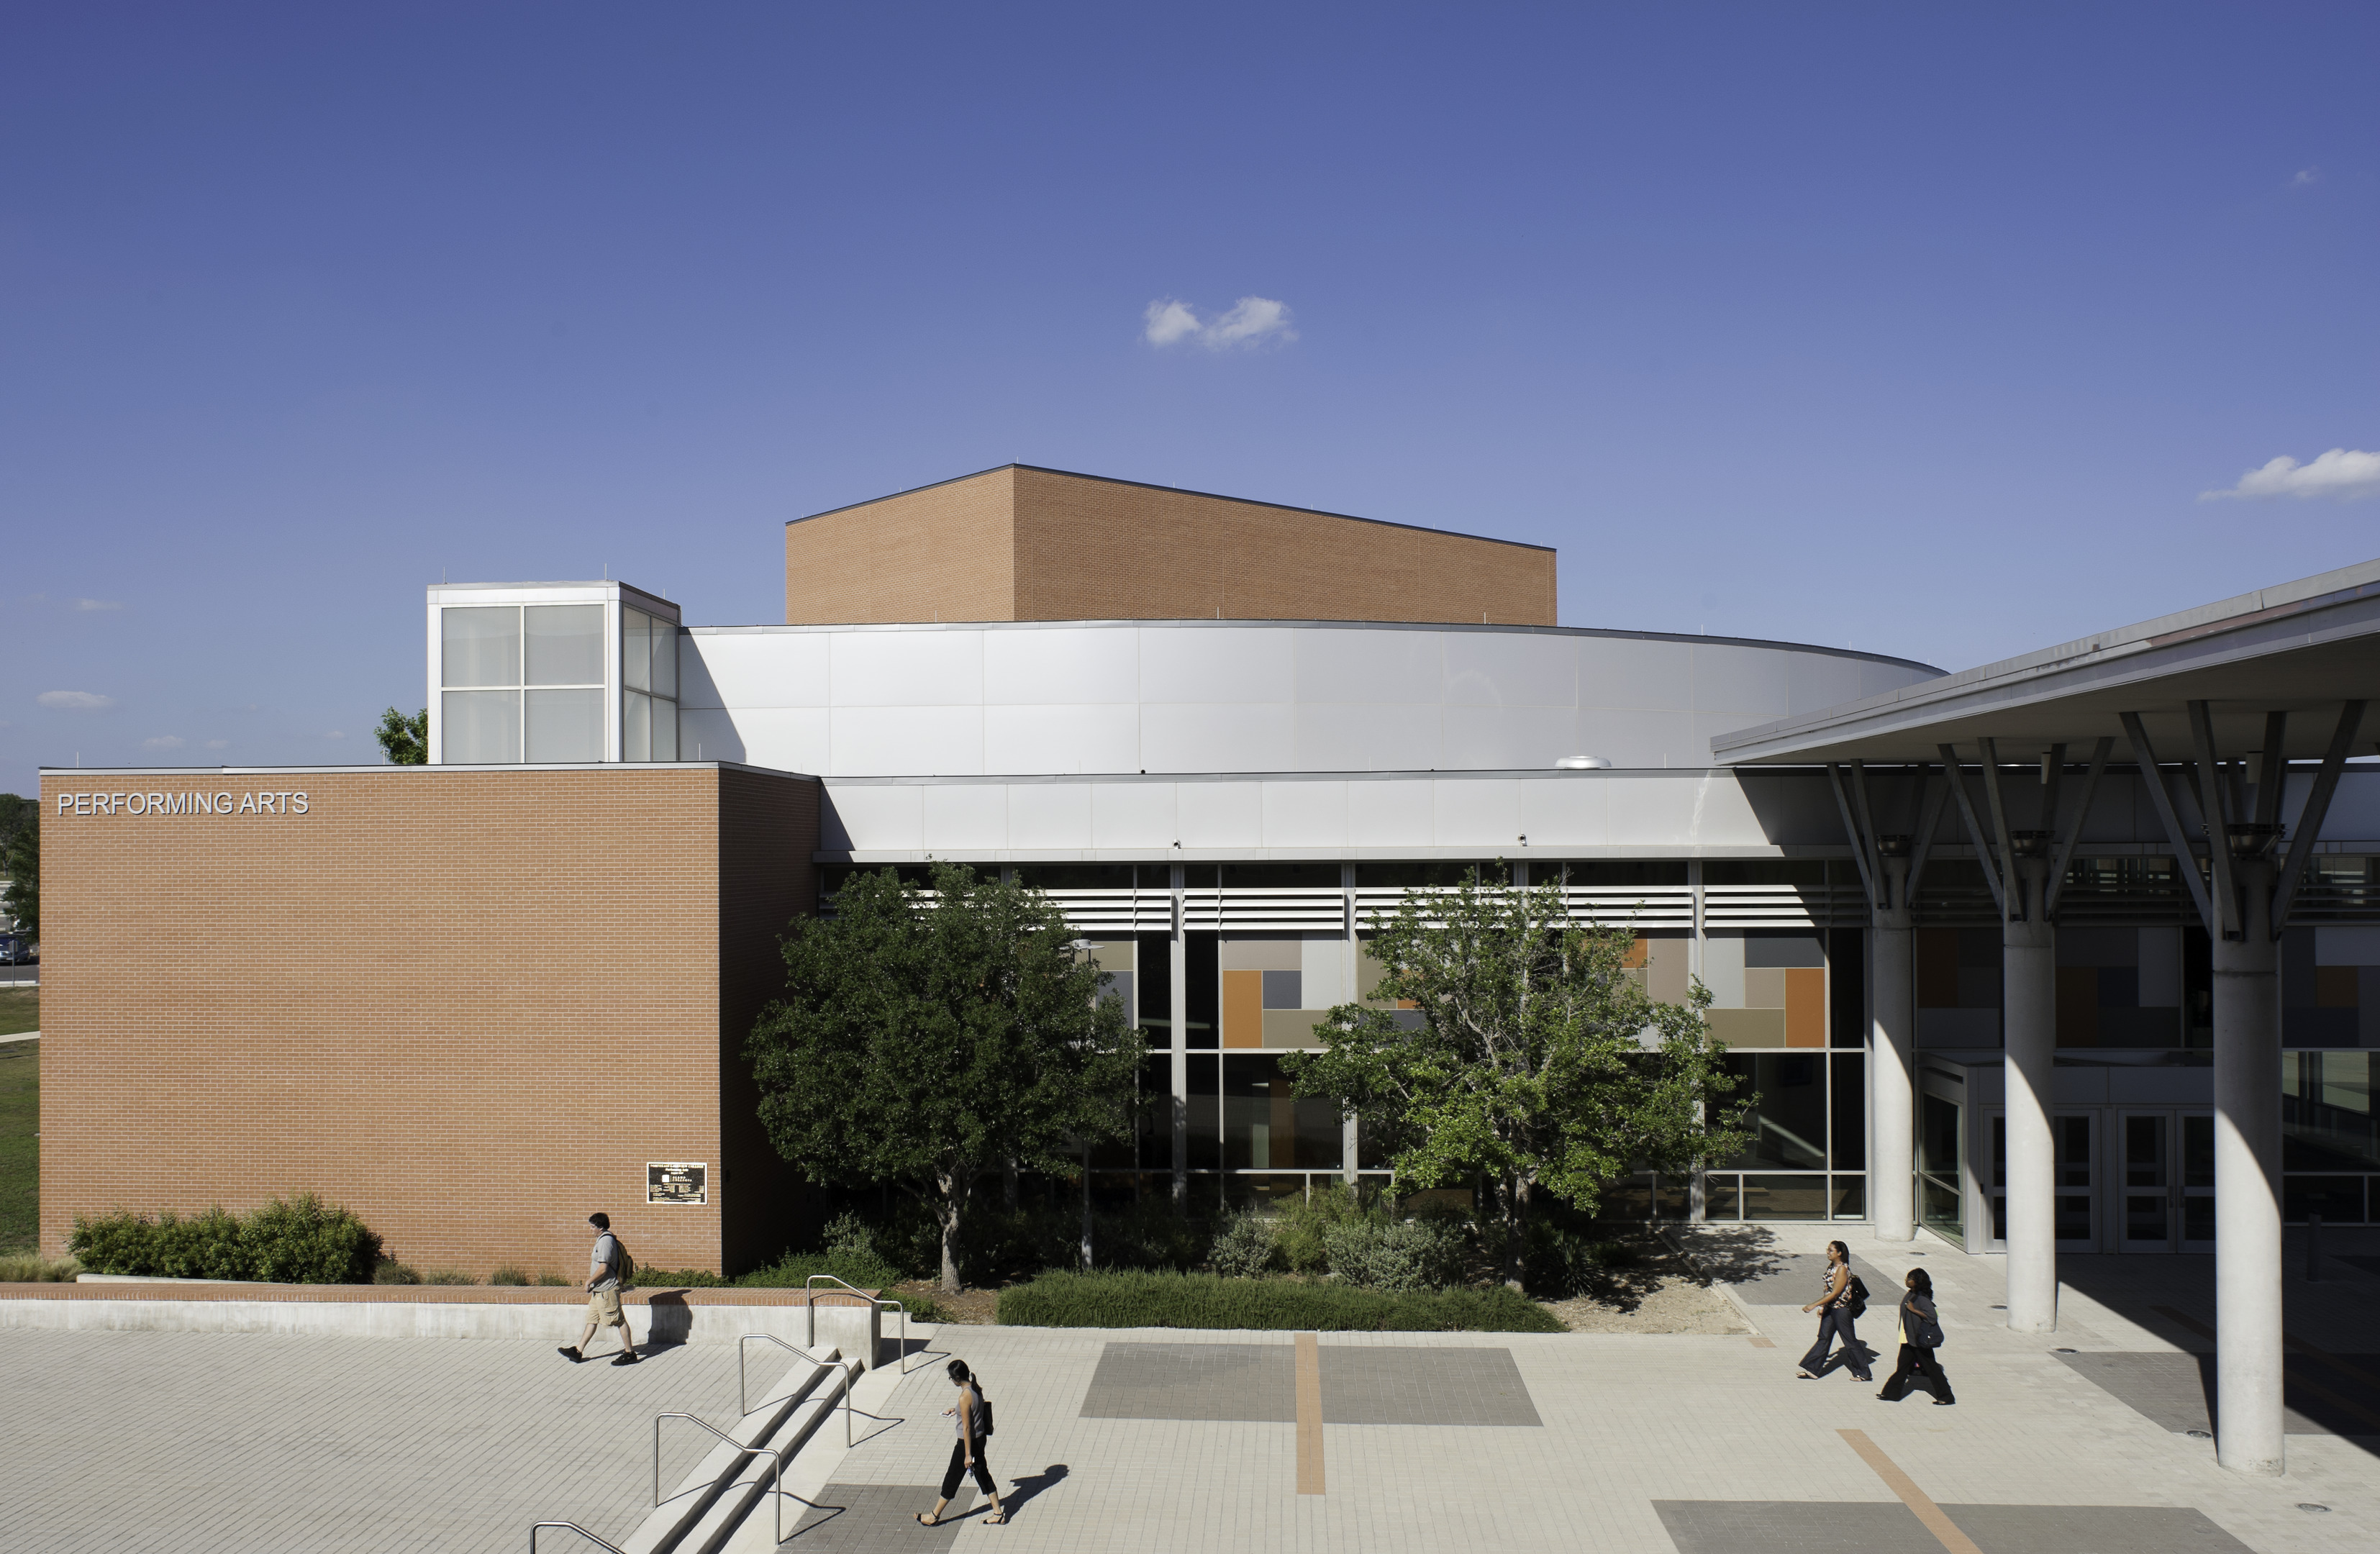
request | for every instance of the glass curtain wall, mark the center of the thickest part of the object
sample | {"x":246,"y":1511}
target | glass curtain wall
{"x":648,"y":688}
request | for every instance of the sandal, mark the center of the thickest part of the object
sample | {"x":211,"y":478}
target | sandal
{"x":995,"y":1518}
{"x":923,"y":1522}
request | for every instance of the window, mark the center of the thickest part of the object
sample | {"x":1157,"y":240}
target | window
{"x":521,"y":682}
{"x":648,"y":687}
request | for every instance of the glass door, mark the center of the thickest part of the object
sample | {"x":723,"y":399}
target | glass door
{"x":2077,"y":1205}
{"x":2169,"y":1181}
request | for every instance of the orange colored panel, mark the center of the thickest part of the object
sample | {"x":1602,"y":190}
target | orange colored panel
{"x":2334,"y":986}
{"x":1639,"y":951}
{"x":1936,"y":953}
{"x":2078,"y":1006}
{"x":1805,"y":1006}
{"x":1244,"y":1009}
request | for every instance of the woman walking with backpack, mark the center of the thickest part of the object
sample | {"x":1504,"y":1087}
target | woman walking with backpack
{"x":972,"y":1415}
{"x":1920,"y":1334}
{"x":1837,"y":1305}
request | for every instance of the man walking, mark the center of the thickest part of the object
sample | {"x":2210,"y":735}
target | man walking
{"x":603,"y":1296}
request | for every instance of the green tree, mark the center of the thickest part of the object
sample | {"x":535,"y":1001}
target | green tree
{"x":926,"y":1036}
{"x":406,"y":741}
{"x":1530,"y":1058}
{"x":20,"y":860}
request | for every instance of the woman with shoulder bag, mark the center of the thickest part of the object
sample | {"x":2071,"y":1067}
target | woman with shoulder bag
{"x":972,"y":1416}
{"x":1920,"y":1334}
{"x":1837,"y":1305}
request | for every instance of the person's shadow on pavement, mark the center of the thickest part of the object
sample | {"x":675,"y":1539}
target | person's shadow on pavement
{"x":1023,"y":1489}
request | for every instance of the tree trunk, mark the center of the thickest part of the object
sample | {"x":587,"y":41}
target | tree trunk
{"x":953,"y":1186}
{"x":1515,"y":1206}
{"x":1008,"y":1183}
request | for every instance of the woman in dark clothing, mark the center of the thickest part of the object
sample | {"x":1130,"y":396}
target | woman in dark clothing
{"x":1834,"y":1308}
{"x":969,"y":1414}
{"x":1918,"y":1320}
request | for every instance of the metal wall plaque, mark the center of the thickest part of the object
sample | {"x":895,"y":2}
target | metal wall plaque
{"x":677,"y":1182}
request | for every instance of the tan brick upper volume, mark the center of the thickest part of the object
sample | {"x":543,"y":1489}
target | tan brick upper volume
{"x":1020,"y":543}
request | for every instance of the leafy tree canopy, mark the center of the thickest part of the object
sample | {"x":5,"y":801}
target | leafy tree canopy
{"x":1528,"y":1056}
{"x":928,"y":1035}
{"x":405,"y":741}
{"x":20,"y":860}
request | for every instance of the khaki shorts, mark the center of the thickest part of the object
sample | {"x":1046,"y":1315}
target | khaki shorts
{"x":603,"y":1306}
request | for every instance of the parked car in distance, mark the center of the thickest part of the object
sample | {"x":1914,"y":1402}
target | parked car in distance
{"x":17,"y":950}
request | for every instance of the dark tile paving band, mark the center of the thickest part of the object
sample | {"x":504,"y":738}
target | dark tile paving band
{"x":1362,"y":1384}
{"x":878,"y":1519}
{"x":2176,"y":1391}
{"x":1886,"y":1527}
{"x":1796,"y":1279}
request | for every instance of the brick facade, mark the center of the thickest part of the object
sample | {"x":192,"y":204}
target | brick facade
{"x":1019,"y":543}
{"x":470,"y":1004}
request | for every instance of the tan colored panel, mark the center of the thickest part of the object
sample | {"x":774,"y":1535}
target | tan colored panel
{"x":1250,"y":953}
{"x":1747,"y":1027}
{"x":946,"y":553}
{"x":1805,"y":1005}
{"x":1764,"y":987}
{"x":1244,"y":1009}
{"x":1290,"y":1027}
{"x":1667,"y":979}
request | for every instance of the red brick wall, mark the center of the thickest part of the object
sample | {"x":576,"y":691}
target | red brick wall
{"x":468,"y":1004}
{"x":946,"y":553}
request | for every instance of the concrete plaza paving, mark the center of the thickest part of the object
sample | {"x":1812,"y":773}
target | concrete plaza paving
{"x":1151,"y":1441}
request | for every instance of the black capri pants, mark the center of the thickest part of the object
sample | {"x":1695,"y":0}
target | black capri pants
{"x":958,"y":1470}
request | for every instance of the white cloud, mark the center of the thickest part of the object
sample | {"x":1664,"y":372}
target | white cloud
{"x":85,"y":700}
{"x":2342,"y":472}
{"x":217,"y":744}
{"x":162,"y":742}
{"x":1250,"y":322}
{"x":2307,"y":178}
{"x":336,"y":734}
{"x":98,"y":605}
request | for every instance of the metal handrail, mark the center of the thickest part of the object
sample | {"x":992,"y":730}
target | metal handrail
{"x":809,"y":1285}
{"x":535,"y":1528}
{"x":777,"y":1455}
{"x":742,"y":1407}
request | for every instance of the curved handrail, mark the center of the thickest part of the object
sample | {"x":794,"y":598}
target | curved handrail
{"x":535,"y":1528}
{"x":742,"y":1407}
{"x":810,"y":1284}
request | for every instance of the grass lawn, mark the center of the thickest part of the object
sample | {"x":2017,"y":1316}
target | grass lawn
{"x":20,"y":1152}
{"x":20,"y":1010}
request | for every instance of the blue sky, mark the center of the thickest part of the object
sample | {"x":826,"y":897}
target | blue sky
{"x":1922,"y":329}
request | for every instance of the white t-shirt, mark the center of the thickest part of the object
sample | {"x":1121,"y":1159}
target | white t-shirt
{"x":603,"y":1264}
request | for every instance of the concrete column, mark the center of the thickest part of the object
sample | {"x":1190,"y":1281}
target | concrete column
{"x":2029,"y":978}
{"x":1891,"y":1065}
{"x":1177,"y":948}
{"x":2248,"y":1435}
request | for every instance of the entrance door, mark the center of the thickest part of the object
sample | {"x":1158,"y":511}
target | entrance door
{"x":2077,"y":1209}
{"x":2168,"y":1185}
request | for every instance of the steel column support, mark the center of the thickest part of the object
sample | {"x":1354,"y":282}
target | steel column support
{"x":2248,"y":1348}
{"x":2028,"y":1011}
{"x":1178,"y":1010}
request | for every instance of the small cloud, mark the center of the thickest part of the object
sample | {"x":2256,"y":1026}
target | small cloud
{"x":217,"y":744}
{"x":1250,"y":322}
{"x":336,"y":734}
{"x":84,"y":701}
{"x":2306,"y":177}
{"x":98,"y":605}
{"x":162,"y":742}
{"x":2342,"y":472}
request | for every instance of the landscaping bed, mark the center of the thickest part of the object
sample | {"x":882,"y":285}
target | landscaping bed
{"x":1209,"y":1300}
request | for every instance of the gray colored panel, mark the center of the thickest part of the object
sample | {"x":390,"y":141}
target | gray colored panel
{"x":880,"y":1518}
{"x":1242,"y":1382}
{"x":1796,"y":1279}
{"x":1772,"y":951}
{"x":1284,"y":990}
{"x":1363,"y":1385}
{"x":1890,"y":1527}
{"x":2176,"y":1391}
{"x":2099,"y":947}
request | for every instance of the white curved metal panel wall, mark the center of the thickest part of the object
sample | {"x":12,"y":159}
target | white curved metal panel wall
{"x":1190,"y":696}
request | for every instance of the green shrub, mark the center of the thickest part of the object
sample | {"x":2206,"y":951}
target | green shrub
{"x":1558,"y":1262}
{"x":299,"y":1240}
{"x":1426,"y":1253}
{"x":509,"y":1275}
{"x":450,"y":1275}
{"x":1304,"y":1221}
{"x":388,"y":1271}
{"x":1243,"y":1248}
{"x":1174,"y":1300}
{"x":675,"y":1279}
{"x":552,"y":1281}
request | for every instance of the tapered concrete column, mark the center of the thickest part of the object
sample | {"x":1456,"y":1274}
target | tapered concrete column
{"x":1178,"y":1010}
{"x":1891,"y":1087}
{"x":2029,"y":986}
{"x":2247,"y":1425}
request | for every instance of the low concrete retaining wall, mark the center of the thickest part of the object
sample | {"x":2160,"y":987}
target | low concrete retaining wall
{"x":852,"y":1326}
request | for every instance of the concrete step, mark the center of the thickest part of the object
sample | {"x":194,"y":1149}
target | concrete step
{"x":822,"y":1461}
{"x":748,"y":1499}
{"x":667,"y":1529}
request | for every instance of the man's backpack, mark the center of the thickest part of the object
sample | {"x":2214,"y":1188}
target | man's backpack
{"x":626,"y":1270}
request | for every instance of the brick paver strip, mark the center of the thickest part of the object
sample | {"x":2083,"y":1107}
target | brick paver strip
{"x":1309,"y":1416}
{"x":1945,"y":1532}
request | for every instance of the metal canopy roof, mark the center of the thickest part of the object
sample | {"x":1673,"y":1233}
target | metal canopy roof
{"x":2299,"y":648}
